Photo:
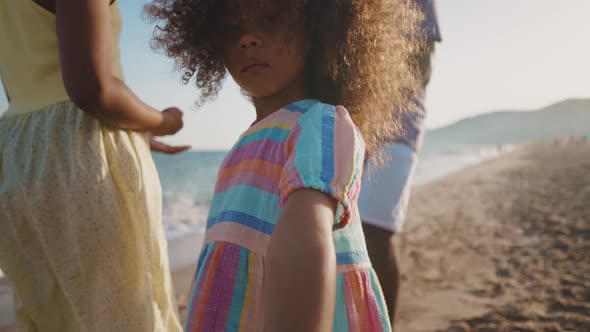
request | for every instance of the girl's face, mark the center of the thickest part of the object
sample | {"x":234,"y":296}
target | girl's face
{"x":264,"y":48}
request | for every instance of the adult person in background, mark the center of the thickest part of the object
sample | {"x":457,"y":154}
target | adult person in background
{"x":386,"y":189}
{"x":81,"y":236}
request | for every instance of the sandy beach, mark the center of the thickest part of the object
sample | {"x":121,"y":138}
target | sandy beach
{"x":500,"y":246}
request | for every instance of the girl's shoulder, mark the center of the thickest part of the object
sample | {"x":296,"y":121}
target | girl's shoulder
{"x":301,"y":113}
{"x":315,"y":111}
{"x":326,"y":117}
{"x":303,"y":120}
{"x":306,"y":106}
{"x":326,"y":129}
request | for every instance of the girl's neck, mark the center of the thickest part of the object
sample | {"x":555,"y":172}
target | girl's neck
{"x":265,"y":106}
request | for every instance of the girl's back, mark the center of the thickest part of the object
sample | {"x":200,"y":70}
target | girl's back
{"x":283,"y":153}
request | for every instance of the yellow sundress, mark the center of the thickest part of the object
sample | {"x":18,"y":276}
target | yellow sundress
{"x":80,"y":201}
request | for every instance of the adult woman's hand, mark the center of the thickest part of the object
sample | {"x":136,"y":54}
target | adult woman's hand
{"x":160,"y":147}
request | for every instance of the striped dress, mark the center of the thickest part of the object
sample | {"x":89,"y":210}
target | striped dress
{"x":306,"y":144}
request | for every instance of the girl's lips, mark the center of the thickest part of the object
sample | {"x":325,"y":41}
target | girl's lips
{"x":255,"y":66}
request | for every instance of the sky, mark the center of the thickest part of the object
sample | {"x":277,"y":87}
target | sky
{"x":495,"y":55}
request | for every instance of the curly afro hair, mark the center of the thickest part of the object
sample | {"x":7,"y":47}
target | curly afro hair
{"x":361,"y":54}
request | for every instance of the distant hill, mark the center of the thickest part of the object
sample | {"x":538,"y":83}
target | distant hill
{"x":567,"y":118}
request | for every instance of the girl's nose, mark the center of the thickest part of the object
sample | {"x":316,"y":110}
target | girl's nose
{"x":250,"y":39}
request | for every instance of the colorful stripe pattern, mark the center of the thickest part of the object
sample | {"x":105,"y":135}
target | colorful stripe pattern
{"x":306,"y":144}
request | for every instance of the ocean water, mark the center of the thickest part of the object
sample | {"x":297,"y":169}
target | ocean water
{"x":188,"y":181}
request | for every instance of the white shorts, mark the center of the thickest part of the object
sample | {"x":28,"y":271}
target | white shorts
{"x":386,"y":190}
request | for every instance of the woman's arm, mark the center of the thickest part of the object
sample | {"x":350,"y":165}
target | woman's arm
{"x":83,"y":28}
{"x":300,"y":271}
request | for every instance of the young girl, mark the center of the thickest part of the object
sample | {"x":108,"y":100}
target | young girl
{"x":80,"y":201}
{"x":284,"y":248}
